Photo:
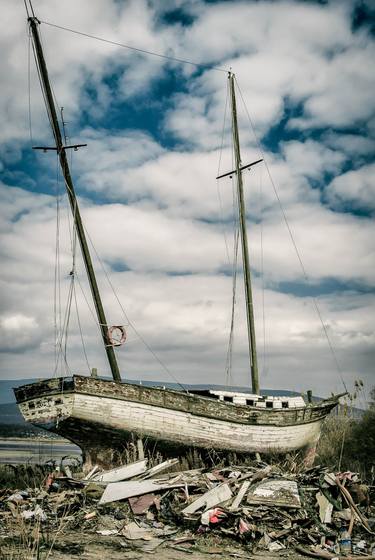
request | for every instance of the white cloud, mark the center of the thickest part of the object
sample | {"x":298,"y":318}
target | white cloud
{"x":351,"y":144}
{"x":156,"y":211}
{"x":18,"y":333}
{"x":356,"y":188}
{"x":311,"y":159}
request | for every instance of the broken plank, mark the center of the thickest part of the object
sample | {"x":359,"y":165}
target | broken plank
{"x":325,"y":508}
{"x":210,"y":499}
{"x":122,"y":473}
{"x":121,"y":490}
{"x":238,"y":499}
{"x":159,"y":468}
{"x":277,"y":492}
{"x":91,"y":473}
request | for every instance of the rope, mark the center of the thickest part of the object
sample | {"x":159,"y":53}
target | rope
{"x":144,"y":51}
{"x":292,"y":237}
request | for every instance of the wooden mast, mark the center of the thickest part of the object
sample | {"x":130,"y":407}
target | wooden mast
{"x":244,"y":244}
{"x":61,"y":150}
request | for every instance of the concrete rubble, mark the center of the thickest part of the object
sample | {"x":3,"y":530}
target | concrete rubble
{"x":256,"y":507}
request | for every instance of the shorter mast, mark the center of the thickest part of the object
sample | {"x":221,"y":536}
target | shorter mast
{"x":244,"y":245}
{"x":61,"y":150}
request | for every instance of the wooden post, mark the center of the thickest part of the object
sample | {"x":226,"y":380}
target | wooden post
{"x":140,"y":449}
{"x":244,"y":244}
{"x":72,"y":197}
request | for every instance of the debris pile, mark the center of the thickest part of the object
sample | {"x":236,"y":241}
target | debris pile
{"x":260,"y":507}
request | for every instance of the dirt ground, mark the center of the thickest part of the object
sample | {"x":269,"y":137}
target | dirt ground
{"x":83,"y":546}
{"x":99,"y":552}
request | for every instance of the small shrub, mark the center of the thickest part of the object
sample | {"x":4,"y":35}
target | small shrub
{"x":335,"y":432}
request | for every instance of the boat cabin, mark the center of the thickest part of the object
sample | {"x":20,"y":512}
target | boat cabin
{"x":249,"y":399}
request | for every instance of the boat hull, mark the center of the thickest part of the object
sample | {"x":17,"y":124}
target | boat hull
{"x":99,"y":416}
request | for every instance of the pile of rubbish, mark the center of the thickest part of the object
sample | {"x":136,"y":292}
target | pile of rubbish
{"x":260,"y":507}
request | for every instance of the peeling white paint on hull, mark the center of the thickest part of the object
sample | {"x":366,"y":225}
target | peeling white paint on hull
{"x":102,"y":416}
{"x":169,"y":425}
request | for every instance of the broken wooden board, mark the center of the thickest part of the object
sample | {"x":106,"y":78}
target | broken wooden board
{"x":210,"y":499}
{"x":122,"y":473}
{"x":325,"y":508}
{"x":141,"y":504}
{"x":278,"y":492}
{"x":238,"y":499}
{"x":121,"y":490}
{"x":159,"y":468}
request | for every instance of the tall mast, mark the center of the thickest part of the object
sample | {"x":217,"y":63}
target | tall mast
{"x":244,"y":244}
{"x":61,"y":150}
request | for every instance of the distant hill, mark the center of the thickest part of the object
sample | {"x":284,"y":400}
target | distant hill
{"x":6,"y":388}
{"x":10,"y":414}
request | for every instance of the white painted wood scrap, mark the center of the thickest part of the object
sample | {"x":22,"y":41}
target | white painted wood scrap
{"x":91,"y":473}
{"x":238,"y":499}
{"x":278,"y":492}
{"x":121,"y":490}
{"x":122,"y":473}
{"x":210,"y":499}
{"x":159,"y":468}
{"x":325,"y":508}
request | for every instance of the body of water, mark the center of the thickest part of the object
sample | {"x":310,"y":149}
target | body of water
{"x":16,"y":451}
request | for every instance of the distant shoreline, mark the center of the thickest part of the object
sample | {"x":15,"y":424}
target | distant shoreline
{"x":37,"y":439}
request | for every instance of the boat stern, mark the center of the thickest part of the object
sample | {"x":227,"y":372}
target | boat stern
{"x":45,"y":403}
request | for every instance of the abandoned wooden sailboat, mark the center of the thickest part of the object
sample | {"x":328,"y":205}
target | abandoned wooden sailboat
{"x":101,"y":416}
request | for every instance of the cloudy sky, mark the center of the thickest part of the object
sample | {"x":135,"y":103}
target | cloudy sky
{"x":160,"y":222}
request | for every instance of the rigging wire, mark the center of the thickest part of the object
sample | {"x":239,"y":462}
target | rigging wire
{"x":125,"y":315}
{"x":57,"y":104}
{"x":95,"y":320}
{"x":64,"y":334}
{"x":142,"y":339}
{"x":57,"y":278}
{"x":124,"y":312}
{"x":228,"y":365}
{"x":73,"y":243}
{"x":46,"y":104}
{"x":61,"y":326}
{"x":67,"y":314}
{"x":144,"y":51}
{"x":29,"y":83}
{"x":198,"y":65}
{"x":291,"y":235}
{"x":26,"y":8}
{"x":43,"y":92}
{"x":236,"y":232}
{"x":80,"y":328}
{"x":229,"y":361}
{"x":218,"y":173}
{"x":262,"y":267}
